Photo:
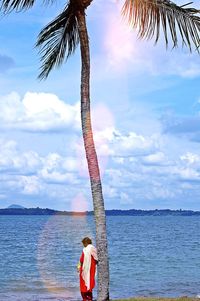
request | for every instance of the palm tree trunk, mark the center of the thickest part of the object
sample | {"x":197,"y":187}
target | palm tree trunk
{"x":91,"y":156}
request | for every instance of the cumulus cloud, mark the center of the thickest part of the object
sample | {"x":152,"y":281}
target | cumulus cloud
{"x":190,"y":158}
{"x":157,"y":158}
{"x":12,"y":161}
{"x":30,"y":185}
{"x":189,"y":174}
{"x":134,"y":166}
{"x":127,"y":180}
{"x":133,"y":144}
{"x":112,"y":145}
{"x":166,"y":172}
{"x":32,"y":169}
{"x":111,"y":142}
{"x":57,"y":169}
{"x":37,"y":112}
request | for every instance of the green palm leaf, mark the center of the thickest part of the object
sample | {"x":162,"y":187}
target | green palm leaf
{"x":58,"y":40}
{"x":9,"y":5}
{"x":148,"y":16}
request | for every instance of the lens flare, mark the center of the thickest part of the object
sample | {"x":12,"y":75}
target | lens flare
{"x":79,"y":204}
{"x":119,"y":43}
{"x":103,"y":129}
{"x":59,"y":248}
{"x":51,"y":241}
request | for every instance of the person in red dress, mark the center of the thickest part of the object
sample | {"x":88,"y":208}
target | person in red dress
{"x":87,"y":269}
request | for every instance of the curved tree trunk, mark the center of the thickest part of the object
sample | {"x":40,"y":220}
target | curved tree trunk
{"x":91,"y":156}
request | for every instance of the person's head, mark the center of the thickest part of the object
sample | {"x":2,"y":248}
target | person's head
{"x":86,"y":241}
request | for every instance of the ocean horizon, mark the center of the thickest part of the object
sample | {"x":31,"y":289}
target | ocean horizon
{"x":20,"y":210}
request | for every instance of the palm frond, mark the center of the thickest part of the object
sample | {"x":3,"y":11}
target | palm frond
{"x":9,"y":5}
{"x":148,"y":16}
{"x":58,"y":40}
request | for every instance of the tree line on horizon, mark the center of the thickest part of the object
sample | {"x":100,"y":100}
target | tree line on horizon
{"x":111,"y":212}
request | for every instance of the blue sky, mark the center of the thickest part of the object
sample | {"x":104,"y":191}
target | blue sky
{"x":145,"y":111}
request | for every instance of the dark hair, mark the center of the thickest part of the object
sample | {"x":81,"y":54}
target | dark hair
{"x":86,"y":241}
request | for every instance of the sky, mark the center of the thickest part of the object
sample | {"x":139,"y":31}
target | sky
{"x":145,"y":103}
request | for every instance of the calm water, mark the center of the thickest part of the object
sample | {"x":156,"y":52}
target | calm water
{"x":149,"y":256}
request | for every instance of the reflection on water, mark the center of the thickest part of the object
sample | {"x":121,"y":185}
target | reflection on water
{"x":149,"y":256}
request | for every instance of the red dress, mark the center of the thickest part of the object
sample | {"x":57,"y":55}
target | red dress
{"x":83,"y":287}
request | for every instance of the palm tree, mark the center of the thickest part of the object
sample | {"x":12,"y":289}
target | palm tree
{"x":59,"y":39}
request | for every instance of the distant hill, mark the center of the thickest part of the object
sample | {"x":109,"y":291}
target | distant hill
{"x":36,"y":211}
{"x":19,"y":210}
{"x":16,"y":206}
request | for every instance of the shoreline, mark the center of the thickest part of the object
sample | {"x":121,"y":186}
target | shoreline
{"x":49,"y":297}
{"x":183,"y":298}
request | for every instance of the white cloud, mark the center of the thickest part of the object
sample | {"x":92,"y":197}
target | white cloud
{"x":162,"y":192}
{"x":12,"y":160}
{"x":57,"y":177}
{"x":158,"y":158}
{"x":177,"y":62}
{"x":70,"y":164}
{"x":125,"y":199}
{"x":191,"y":158}
{"x":125,"y":52}
{"x":110,"y":192}
{"x":28,"y":172}
{"x":189,"y":174}
{"x":37,"y":112}
{"x":134,"y":167}
{"x":111,"y":142}
{"x":192,"y":70}
{"x":30,"y":185}
{"x":133,"y":144}
{"x":127,"y":179}
{"x":58,"y":169}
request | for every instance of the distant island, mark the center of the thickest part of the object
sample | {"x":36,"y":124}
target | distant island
{"x":20,"y":210}
{"x":15,"y":206}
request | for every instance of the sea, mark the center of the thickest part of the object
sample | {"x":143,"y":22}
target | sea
{"x":148,"y":255}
